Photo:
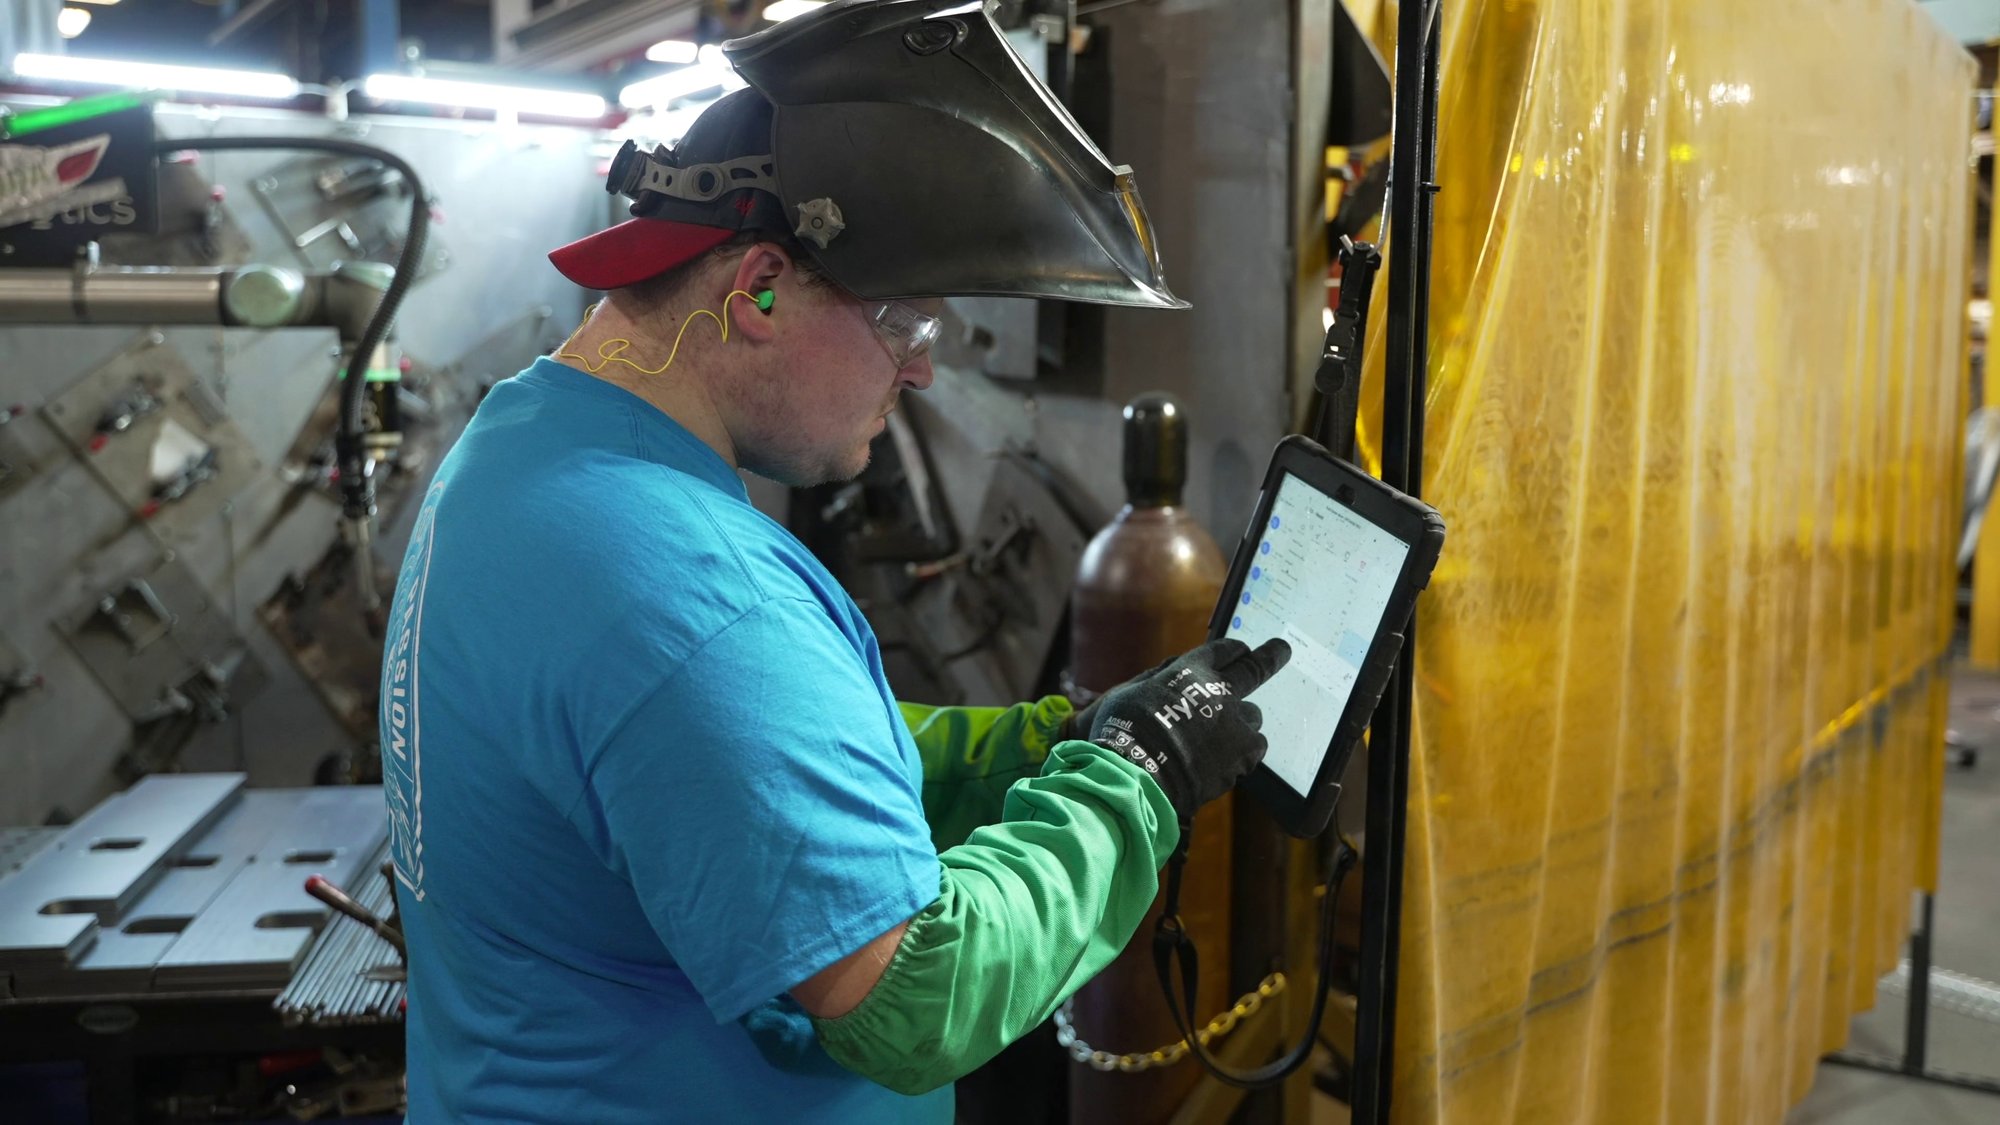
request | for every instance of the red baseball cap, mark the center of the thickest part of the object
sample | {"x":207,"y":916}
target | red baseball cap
{"x":729,"y":142}
{"x":633,"y":251}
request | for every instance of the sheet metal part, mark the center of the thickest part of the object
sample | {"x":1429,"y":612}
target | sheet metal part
{"x":256,"y":930}
{"x":51,"y":909}
{"x":19,"y":845}
{"x":225,"y":909}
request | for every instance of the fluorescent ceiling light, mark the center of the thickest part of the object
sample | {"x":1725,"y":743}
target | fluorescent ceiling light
{"x":480,"y":95}
{"x":70,"y":22}
{"x":678,"y":51}
{"x":783,"y":10}
{"x":99,"y":3}
{"x":710,"y":70}
{"x":192,"y":79}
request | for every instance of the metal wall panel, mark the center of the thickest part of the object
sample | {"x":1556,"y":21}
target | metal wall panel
{"x":1202,"y":110}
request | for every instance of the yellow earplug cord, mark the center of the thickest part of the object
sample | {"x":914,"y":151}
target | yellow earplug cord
{"x":611,"y":351}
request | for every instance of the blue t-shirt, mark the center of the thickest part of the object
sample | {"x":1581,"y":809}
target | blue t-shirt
{"x":644,"y":775}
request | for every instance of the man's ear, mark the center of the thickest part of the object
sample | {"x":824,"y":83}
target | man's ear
{"x":763,"y":268}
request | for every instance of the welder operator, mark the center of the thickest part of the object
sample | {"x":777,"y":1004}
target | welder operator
{"x":667,"y":847}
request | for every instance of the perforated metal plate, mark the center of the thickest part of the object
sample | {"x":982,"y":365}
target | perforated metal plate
{"x":50,"y":909}
{"x":257,"y":928}
{"x":226,"y":911}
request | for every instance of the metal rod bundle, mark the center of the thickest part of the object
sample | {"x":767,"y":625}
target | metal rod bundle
{"x":331,"y":988}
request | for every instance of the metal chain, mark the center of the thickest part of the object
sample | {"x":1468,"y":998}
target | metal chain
{"x":1172,"y":1053}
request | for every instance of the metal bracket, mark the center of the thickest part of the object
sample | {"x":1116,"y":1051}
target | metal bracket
{"x":329,"y":197}
{"x":119,"y":610}
{"x":156,"y":437}
{"x":119,"y":636}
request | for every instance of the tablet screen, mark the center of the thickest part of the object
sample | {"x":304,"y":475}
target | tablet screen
{"x":1321,"y":578}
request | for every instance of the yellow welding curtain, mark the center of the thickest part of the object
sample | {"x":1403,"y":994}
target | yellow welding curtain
{"x":1693,"y":421}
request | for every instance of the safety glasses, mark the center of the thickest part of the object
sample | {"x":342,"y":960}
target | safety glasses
{"x":905,"y":333}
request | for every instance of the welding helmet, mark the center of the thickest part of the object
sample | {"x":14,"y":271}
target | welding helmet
{"x":911,"y":152}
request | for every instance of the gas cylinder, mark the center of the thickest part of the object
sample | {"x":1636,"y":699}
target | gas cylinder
{"x":1144,"y":593}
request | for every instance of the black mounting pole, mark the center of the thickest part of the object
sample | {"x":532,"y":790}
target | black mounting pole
{"x":1916,"y":1022}
{"x":1411,"y":170}
{"x":1917,"y":1015}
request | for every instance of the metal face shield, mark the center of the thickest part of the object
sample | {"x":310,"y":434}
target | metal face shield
{"x":919,"y":157}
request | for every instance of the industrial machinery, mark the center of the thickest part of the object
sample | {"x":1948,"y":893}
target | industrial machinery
{"x":178,"y":591}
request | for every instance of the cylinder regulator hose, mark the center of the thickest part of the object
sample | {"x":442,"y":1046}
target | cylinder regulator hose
{"x":356,"y":489}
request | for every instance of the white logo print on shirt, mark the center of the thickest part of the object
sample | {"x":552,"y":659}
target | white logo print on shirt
{"x":402,"y":731}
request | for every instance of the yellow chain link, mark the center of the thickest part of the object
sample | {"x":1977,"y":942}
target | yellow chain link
{"x":1136,"y":1061}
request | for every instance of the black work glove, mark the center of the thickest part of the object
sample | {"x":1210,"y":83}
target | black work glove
{"x":1187,"y":722}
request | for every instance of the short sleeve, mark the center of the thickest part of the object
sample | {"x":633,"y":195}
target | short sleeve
{"x":763,"y":807}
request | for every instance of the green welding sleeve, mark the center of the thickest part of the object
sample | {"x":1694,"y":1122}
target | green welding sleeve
{"x":972,"y":755}
{"x":1027,"y":911}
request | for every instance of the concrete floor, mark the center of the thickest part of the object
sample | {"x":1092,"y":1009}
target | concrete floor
{"x":1967,"y":940}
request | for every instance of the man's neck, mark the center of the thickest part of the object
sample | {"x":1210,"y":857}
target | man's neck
{"x":680,"y":392}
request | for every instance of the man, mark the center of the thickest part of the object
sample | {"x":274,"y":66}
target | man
{"x":667,"y":847}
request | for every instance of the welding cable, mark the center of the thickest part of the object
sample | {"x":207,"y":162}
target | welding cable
{"x":357,"y":496}
{"x":1171,"y":945}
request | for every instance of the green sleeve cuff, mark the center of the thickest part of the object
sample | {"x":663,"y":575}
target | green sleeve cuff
{"x":1028,"y":910}
{"x":971,"y":755}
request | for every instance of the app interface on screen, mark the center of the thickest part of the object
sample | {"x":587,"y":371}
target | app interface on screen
{"x":1320,"y":578}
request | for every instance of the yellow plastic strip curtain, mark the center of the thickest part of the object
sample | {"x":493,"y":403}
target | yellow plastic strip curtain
{"x":1694,"y":421}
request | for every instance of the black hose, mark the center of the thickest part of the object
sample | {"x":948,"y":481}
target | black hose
{"x":358,"y":499}
{"x":1170,"y":943}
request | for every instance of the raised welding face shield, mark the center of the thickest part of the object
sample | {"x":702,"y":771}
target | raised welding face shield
{"x":914,"y":155}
